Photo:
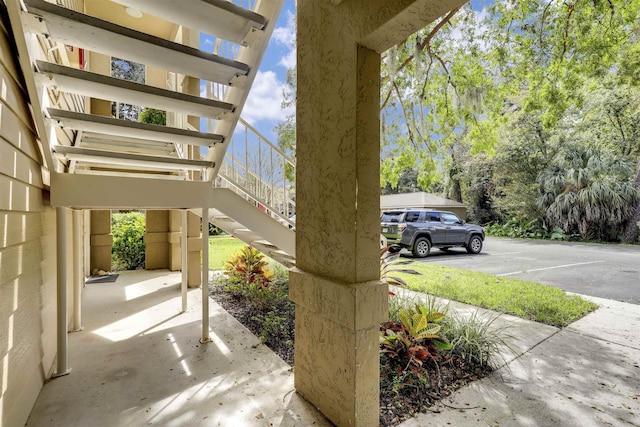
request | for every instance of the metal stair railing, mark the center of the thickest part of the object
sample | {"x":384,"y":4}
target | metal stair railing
{"x":260,"y":172}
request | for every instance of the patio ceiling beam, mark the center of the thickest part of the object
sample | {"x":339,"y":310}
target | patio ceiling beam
{"x":131,"y":129}
{"x":95,"y":85}
{"x":113,"y":192}
{"x":219,"y":18}
{"x":88,"y":32}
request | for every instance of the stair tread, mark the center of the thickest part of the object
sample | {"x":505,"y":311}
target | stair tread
{"x":104,"y":87}
{"x":264,"y":243}
{"x":103,"y":154}
{"x":227,"y":20}
{"x":91,"y":33}
{"x":127,"y":128}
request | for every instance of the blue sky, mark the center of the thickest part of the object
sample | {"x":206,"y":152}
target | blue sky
{"x":263,"y":108}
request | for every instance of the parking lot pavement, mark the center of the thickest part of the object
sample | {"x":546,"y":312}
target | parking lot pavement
{"x":599,"y":270}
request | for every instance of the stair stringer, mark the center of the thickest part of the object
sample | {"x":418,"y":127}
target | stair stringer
{"x":238,"y":217}
{"x":227,"y":209}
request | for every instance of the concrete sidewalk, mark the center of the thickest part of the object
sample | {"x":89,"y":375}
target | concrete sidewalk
{"x":587,"y":374}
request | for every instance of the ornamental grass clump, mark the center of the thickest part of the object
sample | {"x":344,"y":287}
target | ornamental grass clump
{"x":478,"y":340}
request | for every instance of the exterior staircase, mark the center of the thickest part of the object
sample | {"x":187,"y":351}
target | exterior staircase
{"x":100,"y":161}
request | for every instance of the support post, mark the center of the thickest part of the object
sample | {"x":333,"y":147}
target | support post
{"x":205,"y":276}
{"x":87,"y":242}
{"x":61,"y":260}
{"x":185,"y":259}
{"x":78,"y":270}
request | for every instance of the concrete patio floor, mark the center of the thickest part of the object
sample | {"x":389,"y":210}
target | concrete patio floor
{"x":139,"y":361}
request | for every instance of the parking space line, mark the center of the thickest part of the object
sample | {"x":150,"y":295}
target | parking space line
{"x":549,"y":268}
{"x":504,"y":253}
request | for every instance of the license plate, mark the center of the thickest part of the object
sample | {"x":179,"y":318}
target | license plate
{"x":385,"y":230}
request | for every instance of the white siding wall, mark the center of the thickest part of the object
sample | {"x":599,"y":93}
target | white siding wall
{"x":27,"y":253}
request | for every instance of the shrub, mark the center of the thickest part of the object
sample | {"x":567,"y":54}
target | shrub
{"x":247,"y":274}
{"x":153,"y":116}
{"x":388,"y":261}
{"x":277,"y":324}
{"x":264,"y":289}
{"x":523,"y":229}
{"x":423,"y":331}
{"x":414,"y":340}
{"x":128,"y":249}
{"x":215,"y":231}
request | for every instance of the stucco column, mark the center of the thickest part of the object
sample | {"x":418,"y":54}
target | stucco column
{"x":101,"y":240}
{"x":194,"y":246}
{"x":339,"y":298}
{"x":175,"y":238}
{"x":156,"y":239}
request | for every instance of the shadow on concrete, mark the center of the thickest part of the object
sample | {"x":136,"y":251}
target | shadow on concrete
{"x":139,"y":361}
{"x":587,"y":374}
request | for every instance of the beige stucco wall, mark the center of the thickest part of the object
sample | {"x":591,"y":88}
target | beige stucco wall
{"x":27,"y":254}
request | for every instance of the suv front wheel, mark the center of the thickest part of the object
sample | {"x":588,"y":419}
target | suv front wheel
{"x":475,"y":245}
{"x":421,"y":247}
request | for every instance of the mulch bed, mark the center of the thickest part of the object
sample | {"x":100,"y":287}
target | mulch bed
{"x":439,"y":382}
{"x":397,"y":402}
{"x":244,"y":314}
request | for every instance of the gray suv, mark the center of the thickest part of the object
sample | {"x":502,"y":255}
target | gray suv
{"x":418,"y":230}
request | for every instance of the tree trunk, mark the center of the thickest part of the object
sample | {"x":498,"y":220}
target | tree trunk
{"x":631,"y":230}
{"x":454,"y":192}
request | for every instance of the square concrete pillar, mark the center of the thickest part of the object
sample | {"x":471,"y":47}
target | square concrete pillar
{"x":339,"y":298}
{"x":101,"y":240}
{"x":174,"y":239}
{"x":156,"y":239}
{"x":337,"y":353}
{"x":194,"y":249}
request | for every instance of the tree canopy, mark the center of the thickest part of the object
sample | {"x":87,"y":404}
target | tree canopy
{"x":487,"y":101}
{"x":528,"y":111}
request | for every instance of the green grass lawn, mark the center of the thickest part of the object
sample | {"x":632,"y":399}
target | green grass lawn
{"x":528,"y":300}
{"x":221,"y":248}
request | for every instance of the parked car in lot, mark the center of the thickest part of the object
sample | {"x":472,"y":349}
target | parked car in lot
{"x":418,"y":230}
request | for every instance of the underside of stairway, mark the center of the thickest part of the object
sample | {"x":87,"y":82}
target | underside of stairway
{"x":99,"y":160}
